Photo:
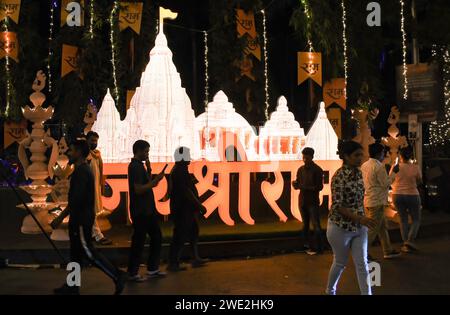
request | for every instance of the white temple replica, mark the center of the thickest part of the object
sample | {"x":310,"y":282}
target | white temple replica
{"x":322,"y":137}
{"x":281,"y":138}
{"x":109,"y":127}
{"x":221,"y":117}
{"x":160,"y":113}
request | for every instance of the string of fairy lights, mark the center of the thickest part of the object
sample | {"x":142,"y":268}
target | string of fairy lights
{"x":205,"y":34}
{"x":308,"y":15}
{"x":9,"y":85}
{"x":404,"y":47}
{"x":266,"y":66}
{"x":91,"y":19}
{"x":440,"y":130}
{"x":344,"y":43}
{"x":112,"y":37}
{"x":53,"y":5}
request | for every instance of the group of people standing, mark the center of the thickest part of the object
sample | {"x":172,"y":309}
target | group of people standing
{"x":356,"y":217}
{"x":84,"y":204}
{"x":357,"y":214}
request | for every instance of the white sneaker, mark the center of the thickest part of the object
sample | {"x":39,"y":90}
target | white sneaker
{"x":156,"y":274}
{"x":137,"y":278}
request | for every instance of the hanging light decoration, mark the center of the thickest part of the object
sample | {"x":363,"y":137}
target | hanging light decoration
{"x":8,"y":77}
{"x":439,"y":130}
{"x":308,"y":14}
{"x":205,"y":34}
{"x":112,"y":37}
{"x":344,"y":41}
{"x":91,"y":19}
{"x":266,"y":66}
{"x":53,"y":5}
{"x":405,"y":67}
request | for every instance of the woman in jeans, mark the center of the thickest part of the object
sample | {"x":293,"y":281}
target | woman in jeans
{"x":406,"y":198}
{"x":347,"y":224}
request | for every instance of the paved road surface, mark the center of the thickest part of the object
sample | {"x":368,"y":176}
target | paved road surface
{"x":426,"y":272}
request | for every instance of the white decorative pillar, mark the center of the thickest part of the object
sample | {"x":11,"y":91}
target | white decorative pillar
{"x":37,"y":168}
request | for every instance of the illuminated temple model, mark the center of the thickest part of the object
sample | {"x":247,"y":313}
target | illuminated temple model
{"x":322,"y":137}
{"x":160,"y":112}
{"x":281,"y":138}
{"x":214,"y":127}
{"x":109,"y":128}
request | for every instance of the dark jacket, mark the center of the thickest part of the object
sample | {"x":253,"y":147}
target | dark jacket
{"x":82,"y":196}
{"x":310,"y":182}
{"x":184,"y":198}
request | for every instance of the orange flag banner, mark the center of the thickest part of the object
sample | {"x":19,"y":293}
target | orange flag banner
{"x":335,"y":117}
{"x":334,"y":92}
{"x":130,"y":15}
{"x":309,"y":67}
{"x":69,"y":60}
{"x":14,"y":132}
{"x":9,"y":45}
{"x":245,"y":23}
{"x":11,"y":9}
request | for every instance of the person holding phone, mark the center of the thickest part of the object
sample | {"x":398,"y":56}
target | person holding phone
{"x":347,"y":223}
{"x":185,"y":208}
{"x":376,"y":183}
{"x":143,"y":213}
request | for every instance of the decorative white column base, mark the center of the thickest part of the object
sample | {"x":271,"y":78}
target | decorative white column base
{"x":60,"y":235}
{"x":29,"y":226}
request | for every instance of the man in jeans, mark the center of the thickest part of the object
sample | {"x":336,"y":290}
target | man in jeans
{"x":376,"y":184}
{"x":310,"y":182}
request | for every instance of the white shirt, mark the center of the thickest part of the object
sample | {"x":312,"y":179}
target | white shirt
{"x":376,"y":183}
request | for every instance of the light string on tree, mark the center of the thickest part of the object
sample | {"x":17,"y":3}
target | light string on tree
{"x":205,"y":34}
{"x":308,"y":15}
{"x":344,"y":41}
{"x":9,"y":85}
{"x":91,"y":19}
{"x":266,"y":62}
{"x":53,"y":5}
{"x":112,"y":37}
{"x":439,"y":130}
{"x":404,"y":47}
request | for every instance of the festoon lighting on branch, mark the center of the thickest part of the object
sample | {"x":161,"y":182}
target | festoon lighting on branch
{"x":344,"y":41}
{"x":439,"y":130}
{"x":112,"y":38}
{"x":266,"y":66}
{"x":53,"y":5}
{"x":308,"y":15}
{"x":404,"y":47}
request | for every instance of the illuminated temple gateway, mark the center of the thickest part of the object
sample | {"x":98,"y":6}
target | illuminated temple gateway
{"x":160,"y":112}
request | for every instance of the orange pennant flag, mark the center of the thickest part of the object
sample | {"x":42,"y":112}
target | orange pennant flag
{"x":14,"y":132}
{"x":131,"y":16}
{"x":309,"y":67}
{"x":253,"y":48}
{"x":245,"y":23}
{"x":334,"y":92}
{"x":11,"y":9}
{"x":69,"y":60}
{"x":9,"y":46}
{"x":335,"y":117}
